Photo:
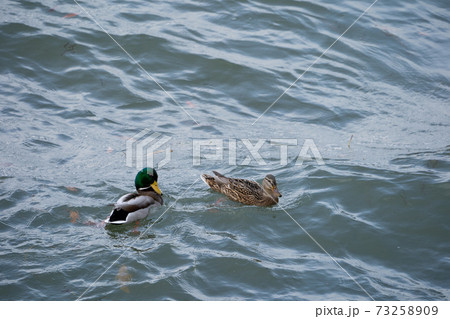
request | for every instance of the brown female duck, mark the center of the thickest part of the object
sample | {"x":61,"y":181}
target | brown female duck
{"x":245,"y":191}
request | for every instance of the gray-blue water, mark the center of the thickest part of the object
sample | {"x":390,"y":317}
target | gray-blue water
{"x":375,"y":107}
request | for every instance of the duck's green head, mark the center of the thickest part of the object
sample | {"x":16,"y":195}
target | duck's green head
{"x":147,"y":178}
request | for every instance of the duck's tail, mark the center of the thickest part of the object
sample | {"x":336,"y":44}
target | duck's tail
{"x":207,"y":178}
{"x":211,"y":181}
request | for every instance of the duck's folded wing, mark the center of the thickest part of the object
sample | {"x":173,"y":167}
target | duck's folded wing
{"x":246,"y":187}
{"x":133,"y":202}
{"x":220,"y":179}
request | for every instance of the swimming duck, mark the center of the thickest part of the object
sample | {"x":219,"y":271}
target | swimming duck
{"x":135,"y":206}
{"x":245,"y":191}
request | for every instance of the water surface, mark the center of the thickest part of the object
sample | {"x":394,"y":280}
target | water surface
{"x":376,"y":106}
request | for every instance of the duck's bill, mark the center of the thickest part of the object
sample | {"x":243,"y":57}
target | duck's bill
{"x":156,"y":187}
{"x":277,"y":192}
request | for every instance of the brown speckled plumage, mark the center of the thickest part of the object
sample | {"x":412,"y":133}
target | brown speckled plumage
{"x":245,"y":191}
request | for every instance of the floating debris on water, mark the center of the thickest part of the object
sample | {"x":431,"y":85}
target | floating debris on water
{"x":74,"y":216}
{"x":123,"y":277}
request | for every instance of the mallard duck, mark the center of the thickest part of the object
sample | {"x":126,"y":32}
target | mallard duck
{"x":135,"y":206}
{"x":245,"y":191}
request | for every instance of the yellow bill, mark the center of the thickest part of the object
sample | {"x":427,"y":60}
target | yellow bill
{"x":156,"y":188}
